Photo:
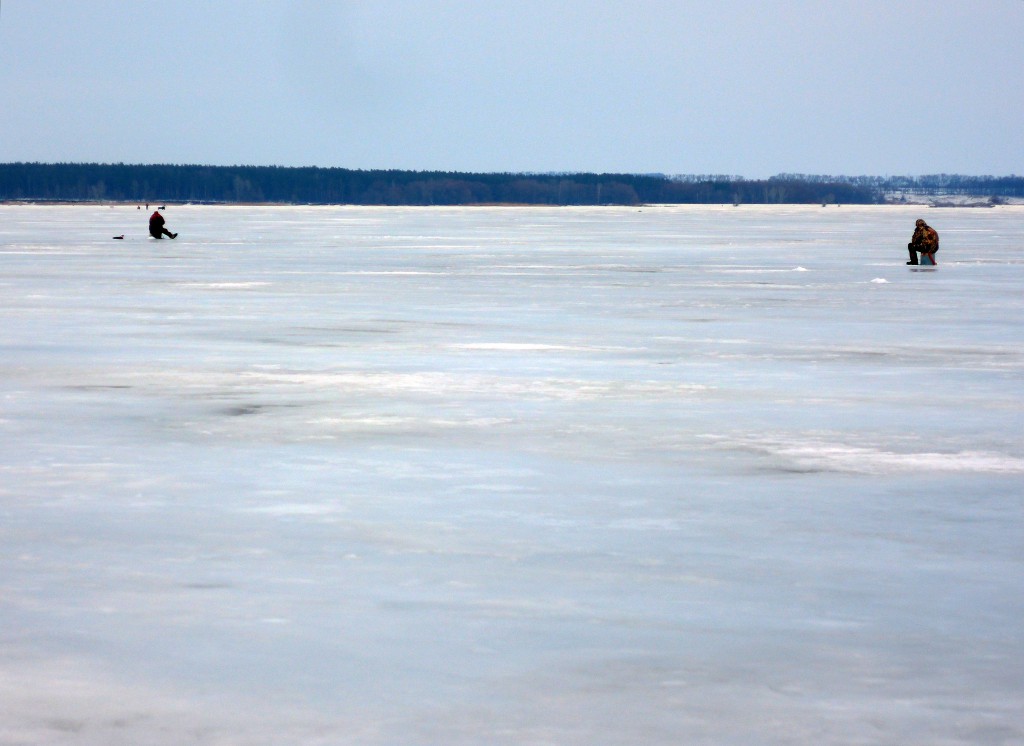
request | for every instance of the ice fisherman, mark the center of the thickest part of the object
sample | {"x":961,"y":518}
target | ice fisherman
{"x":925,"y":240}
{"x":157,"y":230}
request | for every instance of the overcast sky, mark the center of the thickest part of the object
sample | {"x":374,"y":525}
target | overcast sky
{"x":677,"y":86}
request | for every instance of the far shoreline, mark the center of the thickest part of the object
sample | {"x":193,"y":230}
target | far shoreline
{"x":963,"y":201}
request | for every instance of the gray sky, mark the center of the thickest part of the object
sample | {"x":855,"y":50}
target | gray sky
{"x":680,"y":86}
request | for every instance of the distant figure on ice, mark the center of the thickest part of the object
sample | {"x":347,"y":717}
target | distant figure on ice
{"x":157,"y":230}
{"x":926,"y":241}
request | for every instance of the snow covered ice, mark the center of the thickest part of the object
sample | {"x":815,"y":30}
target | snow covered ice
{"x":658,"y":475}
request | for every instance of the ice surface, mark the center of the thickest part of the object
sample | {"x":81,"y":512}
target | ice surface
{"x":659,"y":475}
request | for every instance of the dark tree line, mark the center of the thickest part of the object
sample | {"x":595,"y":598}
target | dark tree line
{"x":310,"y":185}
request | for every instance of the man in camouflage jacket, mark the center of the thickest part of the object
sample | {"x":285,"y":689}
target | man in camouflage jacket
{"x":925,"y":240}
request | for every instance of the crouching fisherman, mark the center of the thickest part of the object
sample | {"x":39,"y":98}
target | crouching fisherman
{"x":925,"y":241}
{"x":157,"y":230}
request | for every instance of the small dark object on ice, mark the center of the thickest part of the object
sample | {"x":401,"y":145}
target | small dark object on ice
{"x":119,"y":237}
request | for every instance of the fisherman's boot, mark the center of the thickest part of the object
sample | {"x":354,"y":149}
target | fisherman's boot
{"x":913,"y":255}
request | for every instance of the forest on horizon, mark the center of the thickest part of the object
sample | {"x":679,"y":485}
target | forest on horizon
{"x":118,"y":182}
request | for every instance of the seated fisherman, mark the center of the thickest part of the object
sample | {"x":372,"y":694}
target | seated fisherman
{"x":925,"y":241}
{"x":157,"y":230}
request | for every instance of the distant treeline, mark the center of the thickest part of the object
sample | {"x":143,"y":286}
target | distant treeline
{"x":120,"y":182}
{"x":934,"y":184}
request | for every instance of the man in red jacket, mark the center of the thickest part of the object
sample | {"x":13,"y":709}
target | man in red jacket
{"x":156,"y":226}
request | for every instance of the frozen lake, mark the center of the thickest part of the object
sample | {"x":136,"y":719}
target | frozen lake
{"x":660,"y":475}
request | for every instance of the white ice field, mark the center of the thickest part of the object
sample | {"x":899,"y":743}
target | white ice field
{"x":470,"y":476}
